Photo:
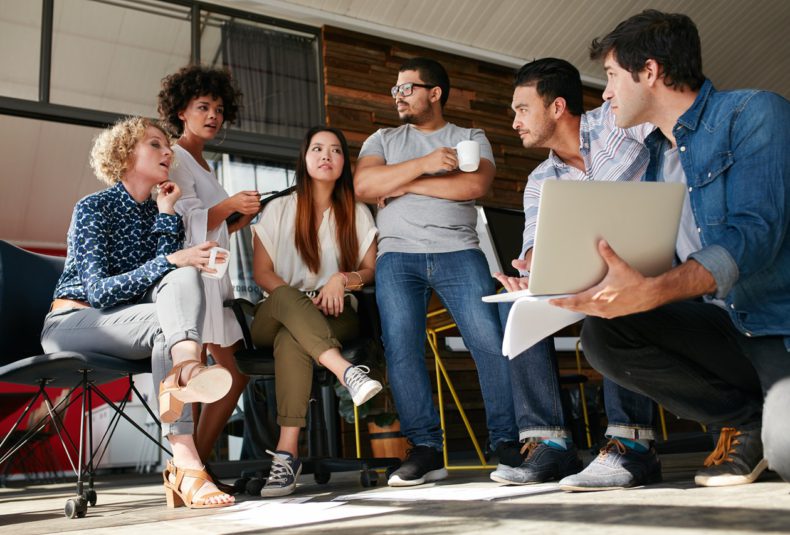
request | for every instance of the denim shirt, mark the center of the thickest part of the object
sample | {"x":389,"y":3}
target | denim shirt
{"x":117,"y":248}
{"x":733,"y":146}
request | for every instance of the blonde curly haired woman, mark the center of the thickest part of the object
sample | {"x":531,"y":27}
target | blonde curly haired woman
{"x":129,"y":289}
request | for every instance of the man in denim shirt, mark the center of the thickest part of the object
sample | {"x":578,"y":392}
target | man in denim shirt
{"x":708,"y":338}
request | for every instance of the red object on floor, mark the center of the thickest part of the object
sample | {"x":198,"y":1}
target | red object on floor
{"x":13,"y":399}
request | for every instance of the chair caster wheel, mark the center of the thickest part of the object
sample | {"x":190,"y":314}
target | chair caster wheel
{"x":369,"y":478}
{"x":322,"y":477}
{"x":254,"y":486}
{"x":90,"y":495}
{"x":76,"y":507}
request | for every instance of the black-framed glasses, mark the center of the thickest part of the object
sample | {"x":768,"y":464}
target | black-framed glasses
{"x":407,"y":89}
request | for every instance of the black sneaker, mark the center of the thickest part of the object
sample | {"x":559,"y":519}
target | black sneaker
{"x":510,"y":453}
{"x":616,"y":467}
{"x":736,"y":460}
{"x":283,"y":474}
{"x":423,"y":464}
{"x":543,"y":463}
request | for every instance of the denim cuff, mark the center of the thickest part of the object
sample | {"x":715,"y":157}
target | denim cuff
{"x":542,"y":432}
{"x":721,"y":265}
{"x":632,"y":432}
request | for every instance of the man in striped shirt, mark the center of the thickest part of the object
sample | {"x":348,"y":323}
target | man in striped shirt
{"x":547,"y":102}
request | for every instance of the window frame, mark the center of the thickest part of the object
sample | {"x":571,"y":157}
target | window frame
{"x":235,"y":142}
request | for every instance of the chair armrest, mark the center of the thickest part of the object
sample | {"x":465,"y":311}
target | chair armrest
{"x":241,"y":309}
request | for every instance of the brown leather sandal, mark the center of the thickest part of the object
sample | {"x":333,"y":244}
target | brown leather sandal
{"x":198,"y":383}
{"x":224,"y":487}
{"x":177,"y":498}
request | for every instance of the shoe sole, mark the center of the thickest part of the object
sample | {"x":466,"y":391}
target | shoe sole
{"x":731,"y":480}
{"x":208,"y":386}
{"x":374,"y":387}
{"x":433,"y":475}
{"x":652,"y":480}
{"x":508,"y":482}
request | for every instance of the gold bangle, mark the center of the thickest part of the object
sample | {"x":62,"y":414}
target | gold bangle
{"x":360,"y":284}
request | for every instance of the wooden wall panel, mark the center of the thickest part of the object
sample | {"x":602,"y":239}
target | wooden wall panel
{"x":359,"y":70}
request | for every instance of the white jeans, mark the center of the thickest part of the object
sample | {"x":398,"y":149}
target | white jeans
{"x":171,"y":312}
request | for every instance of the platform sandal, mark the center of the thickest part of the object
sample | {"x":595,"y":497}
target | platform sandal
{"x":176,"y":497}
{"x":191,"y":382}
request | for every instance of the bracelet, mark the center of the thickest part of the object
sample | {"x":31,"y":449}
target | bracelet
{"x":359,"y":285}
{"x":345,"y":279}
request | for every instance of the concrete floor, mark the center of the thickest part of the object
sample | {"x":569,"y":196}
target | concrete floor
{"x":135,"y":504}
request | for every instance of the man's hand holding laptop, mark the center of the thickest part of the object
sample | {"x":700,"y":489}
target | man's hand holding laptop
{"x":515,"y":284}
{"x":624,"y":290}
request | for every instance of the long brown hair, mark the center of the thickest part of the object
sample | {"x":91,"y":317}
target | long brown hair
{"x":343,"y":208}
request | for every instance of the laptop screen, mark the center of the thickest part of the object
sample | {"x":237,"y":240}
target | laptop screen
{"x":506,"y":227}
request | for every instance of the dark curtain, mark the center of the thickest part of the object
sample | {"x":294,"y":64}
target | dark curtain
{"x":278,"y":74}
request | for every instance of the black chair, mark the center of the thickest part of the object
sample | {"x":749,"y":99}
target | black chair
{"x":322,"y":420}
{"x":505,"y":227}
{"x":27,"y":283}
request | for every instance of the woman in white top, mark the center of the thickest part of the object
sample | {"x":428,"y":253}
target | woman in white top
{"x":310,"y":249}
{"x":196,"y":102}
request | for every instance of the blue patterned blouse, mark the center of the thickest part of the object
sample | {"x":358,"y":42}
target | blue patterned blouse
{"x":117,"y":248}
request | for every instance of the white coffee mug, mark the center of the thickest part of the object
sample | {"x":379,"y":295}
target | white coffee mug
{"x":220,"y":268}
{"x":468,"y":155}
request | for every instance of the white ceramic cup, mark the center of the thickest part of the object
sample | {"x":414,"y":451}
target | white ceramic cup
{"x":468,"y":155}
{"x":212,"y":263}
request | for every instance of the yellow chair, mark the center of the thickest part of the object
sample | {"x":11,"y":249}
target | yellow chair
{"x":440,"y":321}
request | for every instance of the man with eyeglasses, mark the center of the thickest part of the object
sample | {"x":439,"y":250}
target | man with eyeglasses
{"x":427,"y":241}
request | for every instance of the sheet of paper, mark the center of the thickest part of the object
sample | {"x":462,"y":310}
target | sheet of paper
{"x":509,"y":297}
{"x":530,"y":321}
{"x":454,"y":492}
{"x":271,"y":514}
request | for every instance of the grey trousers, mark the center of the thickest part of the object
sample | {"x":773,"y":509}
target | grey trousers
{"x":171,"y":312}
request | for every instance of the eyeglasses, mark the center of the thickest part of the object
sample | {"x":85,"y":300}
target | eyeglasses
{"x":407,"y":89}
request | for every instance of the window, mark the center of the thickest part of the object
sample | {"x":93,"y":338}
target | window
{"x":20,"y":43}
{"x":112,"y":55}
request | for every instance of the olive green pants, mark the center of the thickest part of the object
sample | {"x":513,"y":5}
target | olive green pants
{"x":299,"y":332}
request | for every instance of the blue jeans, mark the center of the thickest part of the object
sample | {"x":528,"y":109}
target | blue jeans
{"x":534,"y":379}
{"x":460,"y":278}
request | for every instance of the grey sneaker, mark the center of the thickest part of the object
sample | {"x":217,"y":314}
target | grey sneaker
{"x":616,"y":467}
{"x":736,"y":460}
{"x":282,"y":476}
{"x":359,"y":385}
{"x":423,"y":464}
{"x":543,"y":463}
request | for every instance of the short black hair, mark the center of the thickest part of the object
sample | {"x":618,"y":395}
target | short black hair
{"x":432,"y":73}
{"x":194,"y":81}
{"x":671,"y":39}
{"x":553,"y":78}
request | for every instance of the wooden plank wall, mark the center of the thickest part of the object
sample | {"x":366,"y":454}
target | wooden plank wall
{"x":359,"y":70}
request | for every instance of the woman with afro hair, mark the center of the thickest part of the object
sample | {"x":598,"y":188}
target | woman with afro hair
{"x":196,"y":102}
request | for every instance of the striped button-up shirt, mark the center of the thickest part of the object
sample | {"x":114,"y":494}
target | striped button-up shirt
{"x":609,"y":153}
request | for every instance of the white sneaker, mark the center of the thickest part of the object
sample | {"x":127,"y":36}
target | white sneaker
{"x":359,"y":385}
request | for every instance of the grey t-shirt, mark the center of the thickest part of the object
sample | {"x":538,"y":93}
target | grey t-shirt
{"x":417,"y":223}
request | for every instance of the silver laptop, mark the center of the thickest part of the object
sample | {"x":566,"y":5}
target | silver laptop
{"x":639,"y":220}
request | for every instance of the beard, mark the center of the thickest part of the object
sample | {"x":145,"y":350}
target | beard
{"x":540,"y":136}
